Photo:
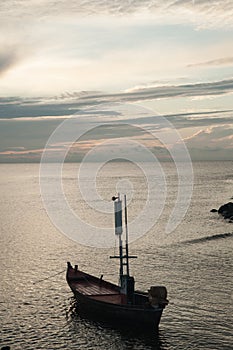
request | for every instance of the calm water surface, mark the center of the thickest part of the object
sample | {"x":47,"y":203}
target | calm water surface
{"x":197,"y":271}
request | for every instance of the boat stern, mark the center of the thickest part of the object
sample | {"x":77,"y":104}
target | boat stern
{"x":157,"y":296}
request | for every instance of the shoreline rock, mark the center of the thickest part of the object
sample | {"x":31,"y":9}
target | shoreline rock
{"x":226,"y":210}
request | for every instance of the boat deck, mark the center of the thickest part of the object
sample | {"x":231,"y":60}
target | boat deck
{"x":90,"y":288}
{"x":95,"y":288}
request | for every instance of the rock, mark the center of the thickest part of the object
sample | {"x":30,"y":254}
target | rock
{"x":213,"y":210}
{"x":226,"y":210}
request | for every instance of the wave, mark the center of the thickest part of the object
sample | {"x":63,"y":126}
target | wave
{"x":209,"y":238}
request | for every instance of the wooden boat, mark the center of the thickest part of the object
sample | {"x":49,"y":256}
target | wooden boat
{"x":117,"y":304}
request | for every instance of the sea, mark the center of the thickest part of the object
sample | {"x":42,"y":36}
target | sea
{"x":194,"y":261}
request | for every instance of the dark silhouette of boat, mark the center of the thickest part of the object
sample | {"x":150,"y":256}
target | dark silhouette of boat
{"x":118,"y":304}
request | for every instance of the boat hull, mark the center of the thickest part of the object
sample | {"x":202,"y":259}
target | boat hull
{"x":140,"y":315}
{"x":118,"y":315}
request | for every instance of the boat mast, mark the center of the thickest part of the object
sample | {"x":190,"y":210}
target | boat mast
{"x":121,"y":257}
{"x":118,"y":231}
{"x":126,"y":236}
{"x":124,"y":258}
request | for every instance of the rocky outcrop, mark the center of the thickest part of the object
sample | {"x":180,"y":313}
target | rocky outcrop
{"x":226,"y":210}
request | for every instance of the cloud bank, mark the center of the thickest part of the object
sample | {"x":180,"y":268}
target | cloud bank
{"x":68,"y":104}
{"x":52,"y":46}
{"x":214,"y":142}
{"x":203,"y":12}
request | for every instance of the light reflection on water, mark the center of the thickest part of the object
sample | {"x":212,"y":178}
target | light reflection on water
{"x":198,"y":274}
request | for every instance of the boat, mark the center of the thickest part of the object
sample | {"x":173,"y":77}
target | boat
{"x":117,"y":304}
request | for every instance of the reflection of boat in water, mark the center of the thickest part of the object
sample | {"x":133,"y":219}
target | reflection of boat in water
{"x":118,"y":304}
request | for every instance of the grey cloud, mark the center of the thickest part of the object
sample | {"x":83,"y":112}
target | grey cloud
{"x":169,"y":91}
{"x":186,"y":90}
{"x":209,"y":144}
{"x":200,"y":119}
{"x":27,"y":134}
{"x":217,"y":62}
{"x":211,"y":154}
{"x":31,"y":135}
{"x":211,"y":135}
{"x":213,"y":138}
{"x":70,"y":104}
{"x":212,"y":143}
{"x":8,"y":58}
{"x":186,"y":120}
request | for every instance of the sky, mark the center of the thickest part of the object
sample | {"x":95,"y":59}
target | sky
{"x":60,"y":58}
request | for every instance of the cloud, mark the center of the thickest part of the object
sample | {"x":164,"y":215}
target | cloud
{"x":8,"y":58}
{"x":72,"y":103}
{"x":213,"y":137}
{"x":184,"y":90}
{"x":226,"y":61}
{"x":203,"y":13}
{"x":19,"y":151}
{"x":51,"y":46}
{"x":200,"y":119}
{"x":83,"y":44}
{"x":212,"y":143}
{"x":15,"y":149}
